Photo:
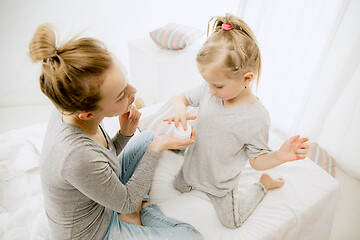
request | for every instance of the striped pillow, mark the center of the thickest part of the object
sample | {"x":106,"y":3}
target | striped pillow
{"x":321,"y":158}
{"x":155,"y":121}
{"x":175,"y":36}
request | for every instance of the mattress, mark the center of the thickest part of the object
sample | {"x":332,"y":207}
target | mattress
{"x":302,"y":209}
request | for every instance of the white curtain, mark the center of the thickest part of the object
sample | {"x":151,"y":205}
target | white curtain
{"x":310,"y":76}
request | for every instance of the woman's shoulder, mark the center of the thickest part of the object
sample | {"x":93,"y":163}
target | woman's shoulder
{"x":64,"y":137}
{"x":65,"y":149}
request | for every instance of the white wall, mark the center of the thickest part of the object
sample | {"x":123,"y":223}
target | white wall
{"x":115,"y":22}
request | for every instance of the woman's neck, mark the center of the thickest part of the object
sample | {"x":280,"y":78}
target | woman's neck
{"x":90,"y":126}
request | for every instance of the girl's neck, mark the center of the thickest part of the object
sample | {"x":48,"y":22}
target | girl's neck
{"x":246,"y":97}
{"x":90,"y":127}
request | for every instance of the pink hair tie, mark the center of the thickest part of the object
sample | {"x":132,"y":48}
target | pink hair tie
{"x":226,"y":27}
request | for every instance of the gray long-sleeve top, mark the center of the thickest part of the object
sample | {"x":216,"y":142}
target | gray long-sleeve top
{"x":80,"y":181}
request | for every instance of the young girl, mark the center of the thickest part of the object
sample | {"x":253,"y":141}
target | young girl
{"x":232,"y":125}
{"x":85,"y":181}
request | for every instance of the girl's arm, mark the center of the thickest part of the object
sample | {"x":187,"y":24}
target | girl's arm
{"x":293,"y":149}
{"x":180,"y":101}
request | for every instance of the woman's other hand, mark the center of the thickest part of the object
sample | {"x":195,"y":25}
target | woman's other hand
{"x":129,"y":121}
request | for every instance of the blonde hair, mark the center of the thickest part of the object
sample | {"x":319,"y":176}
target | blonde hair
{"x":238,"y":47}
{"x":72,"y":73}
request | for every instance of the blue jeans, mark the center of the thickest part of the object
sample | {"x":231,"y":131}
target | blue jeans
{"x":155,"y":224}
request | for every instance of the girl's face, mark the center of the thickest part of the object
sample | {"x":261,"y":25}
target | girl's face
{"x":117,"y":94}
{"x":220,"y":85}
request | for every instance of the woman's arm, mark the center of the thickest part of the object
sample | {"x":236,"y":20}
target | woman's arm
{"x":90,"y":172}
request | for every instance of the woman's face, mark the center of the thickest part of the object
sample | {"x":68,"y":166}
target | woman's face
{"x":117,"y":94}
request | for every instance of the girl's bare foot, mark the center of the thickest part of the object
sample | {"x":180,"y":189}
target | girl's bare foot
{"x":269,"y":183}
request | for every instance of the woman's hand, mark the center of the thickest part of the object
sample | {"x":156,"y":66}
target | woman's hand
{"x":129,"y":121}
{"x":164,"y":142}
{"x":295,"y":148}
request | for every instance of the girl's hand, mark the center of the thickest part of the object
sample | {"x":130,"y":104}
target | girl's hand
{"x":180,"y":117}
{"x":129,"y":121}
{"x":164,"y":142}
{"x":295,"y":148}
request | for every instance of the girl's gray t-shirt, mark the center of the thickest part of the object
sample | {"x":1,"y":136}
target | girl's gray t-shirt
{"x":80,"y":181}
{"x":224,"y":140}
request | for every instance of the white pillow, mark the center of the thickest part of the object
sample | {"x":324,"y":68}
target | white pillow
{"x":175,"y":36}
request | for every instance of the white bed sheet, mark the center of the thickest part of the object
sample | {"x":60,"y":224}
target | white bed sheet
{"x":302,"y":209}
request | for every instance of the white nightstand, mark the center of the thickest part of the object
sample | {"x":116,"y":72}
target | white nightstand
{"x":158,"y":74}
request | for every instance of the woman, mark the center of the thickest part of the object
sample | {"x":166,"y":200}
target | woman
{"x":87,"y":177}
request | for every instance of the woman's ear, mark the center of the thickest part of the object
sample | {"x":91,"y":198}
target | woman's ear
{"x":86,"y":115}
{"x":248,"y":77}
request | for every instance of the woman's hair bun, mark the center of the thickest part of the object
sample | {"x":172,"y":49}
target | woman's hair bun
{"x":43,"y":44}
{"x":72,"y":71}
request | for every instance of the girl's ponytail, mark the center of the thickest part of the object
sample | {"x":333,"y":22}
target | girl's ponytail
{"x":232,"y":36}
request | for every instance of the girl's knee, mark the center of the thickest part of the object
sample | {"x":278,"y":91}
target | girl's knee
{"x":180,"y":184}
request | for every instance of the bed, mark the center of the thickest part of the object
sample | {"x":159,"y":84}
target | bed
{"x":302,"y":209}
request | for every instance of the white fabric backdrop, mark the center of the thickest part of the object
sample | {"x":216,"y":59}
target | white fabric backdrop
{"x":310,"y":79}
{"x":310,"y":54}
